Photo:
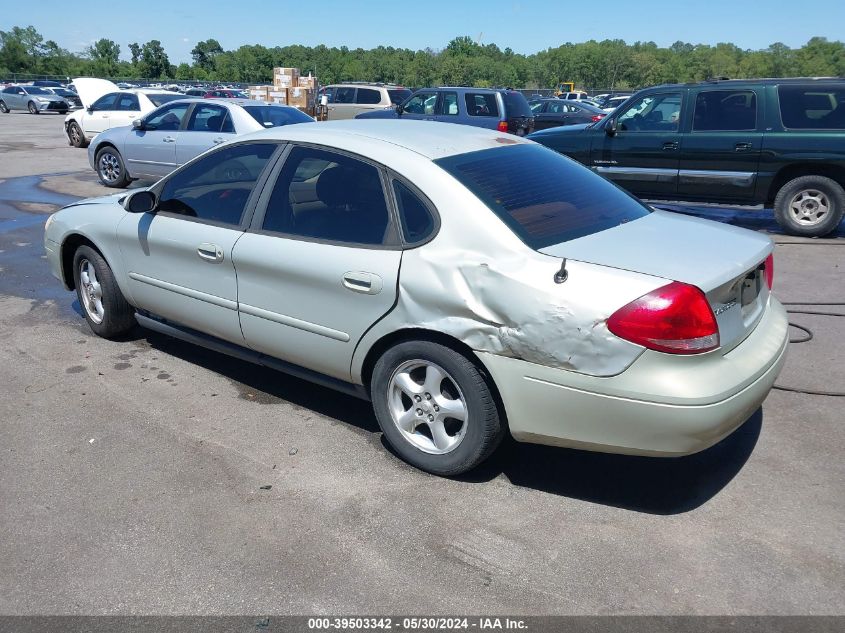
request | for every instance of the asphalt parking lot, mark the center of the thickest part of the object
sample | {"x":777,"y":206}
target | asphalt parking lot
{"x":134,"y":474}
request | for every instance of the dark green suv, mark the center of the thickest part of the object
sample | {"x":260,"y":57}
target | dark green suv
{"x":776,"y":142}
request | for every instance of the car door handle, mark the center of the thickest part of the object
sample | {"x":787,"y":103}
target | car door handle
{"x":210,"y":252}
{"x":670,"y":145}
{"x":168,"y":139}
{"x":363,"y":282}
{"x":743,"y":147}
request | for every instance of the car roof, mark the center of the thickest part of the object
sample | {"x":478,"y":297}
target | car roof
{"x":768,"y":81}
{"x":429,"y":139}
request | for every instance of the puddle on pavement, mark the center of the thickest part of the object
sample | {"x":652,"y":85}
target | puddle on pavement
{"x":24,"y":202}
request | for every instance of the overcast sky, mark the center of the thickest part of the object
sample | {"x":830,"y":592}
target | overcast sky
{"x":526,"y":27}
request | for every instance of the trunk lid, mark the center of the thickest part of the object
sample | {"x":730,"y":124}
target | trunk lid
{"x":723,"y":261}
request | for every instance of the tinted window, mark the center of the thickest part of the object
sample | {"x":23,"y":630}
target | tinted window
{"x":537,"y":107}
{"x":725,"y":110}
{"x":558,"y":107}
{"x":167,"y":118}
{"x":813,"y":107}
{"x":217,"y":187}
{"x":160,"y":99}
{"x":106,"y":102}
{"x":274,"y":116}
{"x":368,"y":96}
{"x":417,"y":221}
{"x":421,"y":103}
{"x":516,"y":104}
{"x":450,"y":103}
{"x":207,"y":118}
{"x":37,"y":91}
{"x":398,"y":95}
{"x":482,"y":104}
{"x":127,"y":102}
{"x":344,"y":95}
{"x":9,"y":90}
{"x":542,"y":196}
{"x":652,"y":113}
{"x":327,"y":196}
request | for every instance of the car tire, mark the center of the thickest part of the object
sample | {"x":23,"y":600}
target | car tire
{"x":33,"y":109}
{"x":103,"y":304}
{"x":75,"y":135}
{"x":4,"y":108}
{"x":110,"y":168}
{"x":810,"y":206}
{"x":415,"y":386}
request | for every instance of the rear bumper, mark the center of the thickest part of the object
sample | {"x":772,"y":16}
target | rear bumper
{"x":662,"y":405}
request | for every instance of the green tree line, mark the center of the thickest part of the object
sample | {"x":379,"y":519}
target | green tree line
{"x":609,"y":64}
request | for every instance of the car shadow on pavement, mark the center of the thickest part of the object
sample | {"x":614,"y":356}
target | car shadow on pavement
{"x":653,"y":485}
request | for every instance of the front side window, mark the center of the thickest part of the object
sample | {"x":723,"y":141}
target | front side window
{"x":167,"y":118}
{"x":322,"y":195}
{"x":207,"y":118}
{"x":812,"y":107}
{"x":216,"y":187}
{"x":368,"y":96}
{"x":542,"y":196}
{"x":127,"y":102}
{"x":482,"y":104}
{"x":421,"y":103}
{"x":652,"y":113}
{"x":450,"y":103}
{"x":725,"y":110}
{"x":106,"y":102}
{"x":398,"y":95}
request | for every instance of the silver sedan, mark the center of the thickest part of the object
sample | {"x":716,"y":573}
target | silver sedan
{"x":468,"y":282}
{"x":33,"y":99}
{"x":176,"y":132}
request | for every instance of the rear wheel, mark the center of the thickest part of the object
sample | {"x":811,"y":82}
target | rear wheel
{"x":75,"y":135}
{"x":33,"y":109}
{"x":435,"y":408}
{"x":810,"y":206}
{"x":106,"y":310}
{"x":110,"y":169}
{"x":4,"y":108}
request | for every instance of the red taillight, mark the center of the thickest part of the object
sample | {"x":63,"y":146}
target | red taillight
{"x":769,"y":266}
{"x":675,"y":318}
{"x":597,"y":117}
{"x":503,"y":126}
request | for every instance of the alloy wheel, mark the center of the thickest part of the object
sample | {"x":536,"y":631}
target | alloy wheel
{"x":809,"y":207}
{"x":91,"y":291}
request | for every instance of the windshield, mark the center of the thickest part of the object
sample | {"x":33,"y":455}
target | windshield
{"x":516,"y":104}
{"x":542,"y":196}
{"x":160,"y":98}
{"x":34,"y":90}
{"x":274,"y":116}
{"x":62,"y":92}
{"x":398,"y":95}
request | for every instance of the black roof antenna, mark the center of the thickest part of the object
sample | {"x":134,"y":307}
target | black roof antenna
{"x":561,"y":275}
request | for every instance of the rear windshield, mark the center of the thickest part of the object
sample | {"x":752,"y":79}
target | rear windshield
{"x":274,"y":116}
{"x":542,"y":196}
{"x":516,"y":104}
{"x":815,"y":107}
{"x":398,"y":95}
{"x":160,"y":98}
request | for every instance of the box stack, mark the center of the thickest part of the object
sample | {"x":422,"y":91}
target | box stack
{"x":285,"y":78}
{"x":278,"y":95}
{"x":259,"y":93}
{"x":308,"y":82}
{"x":302,"y":98}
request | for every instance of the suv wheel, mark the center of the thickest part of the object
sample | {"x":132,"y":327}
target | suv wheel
{"x":810,"y":206}
{"x":435,"y":408}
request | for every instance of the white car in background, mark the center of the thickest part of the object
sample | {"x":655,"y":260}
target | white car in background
{"x":105,"y":105}
{"x":175,"y":133}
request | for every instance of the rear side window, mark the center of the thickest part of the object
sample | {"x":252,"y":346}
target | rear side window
{"x":812,"y":107}
{"x":450,"y":103}
{"x":128,"y":102}
{"x":417,"y":221}
{"x":725,"y":110}
{"x":542,"y":196}
{"x":368,"y":96}
{"x":274,"y":116}
{"x":159,"y":99}
{"x":344,"y":95}
{"x":483,"y":104}
{"x":398,"y":95}
{"x":516,"y":104}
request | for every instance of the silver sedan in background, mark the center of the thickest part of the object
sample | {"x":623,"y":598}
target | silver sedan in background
{"x":468,"y":282}
{"x":176,"y":132}
{"x":33,"y":99}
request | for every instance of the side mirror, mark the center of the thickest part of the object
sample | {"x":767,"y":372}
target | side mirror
{"x":140,"y":202}
{"x":400,"y":109}
{"x":90,"y":109}
{"x":138,"y":124}
{"x":610,"y":127}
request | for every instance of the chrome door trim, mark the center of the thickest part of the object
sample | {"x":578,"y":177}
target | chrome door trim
{"x":299,"y":324}
{"x":640,"y":174}
{"x":188,"y":292}
{"x":713,"y":177}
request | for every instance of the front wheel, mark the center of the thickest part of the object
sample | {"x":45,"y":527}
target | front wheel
{"x":4,"y":108}
{"x":33,"y":109}
{"x":810,"y":206}
{"x":435,"y":408}
{"x":106,"y":310}
{"x":75,"y":135}
{"x":110,"y":169}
